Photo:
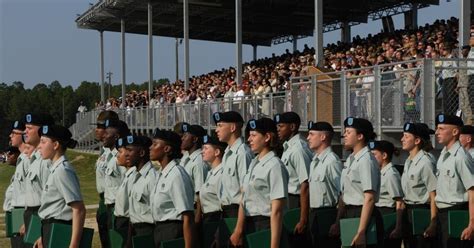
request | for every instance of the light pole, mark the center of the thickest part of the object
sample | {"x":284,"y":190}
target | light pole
{"x":109,"y":77}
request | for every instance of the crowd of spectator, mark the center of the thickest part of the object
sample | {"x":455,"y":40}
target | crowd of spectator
{"x":272,"y":75}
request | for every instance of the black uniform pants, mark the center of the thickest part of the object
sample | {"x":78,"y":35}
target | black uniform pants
{"x":443,"y":225}
{"x":410,"y":240}
{"x":387,"y":242}
{"x":317,"y":239}
{"x":167,"y":230}
{"x":122,"y":226}
{"x":102,"y":224}
{"x":141,"y":229}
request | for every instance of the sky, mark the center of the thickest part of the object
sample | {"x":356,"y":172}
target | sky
{"x":40,"y":43}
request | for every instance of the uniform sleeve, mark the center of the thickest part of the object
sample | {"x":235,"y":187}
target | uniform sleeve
{"x":200,"y":172}
{"x":278,"y":178}
{"x":335,"y":170}
{"x":181,"y":193}
{"x":369,"y":175}
{"x":465,"y":169}
{"x":428,"y":176}
{"x":394,"y":185}
{"x":68,"y":184}
{"x":302,"y":160}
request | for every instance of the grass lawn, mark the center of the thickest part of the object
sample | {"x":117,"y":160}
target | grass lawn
{"x":84,"y":165}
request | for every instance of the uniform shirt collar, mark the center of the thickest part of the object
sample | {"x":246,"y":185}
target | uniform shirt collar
{"x":386,"y":168}
{"x":169,"y":167}
{"x":130,"y":171}
{"x":265,"y":158}
{"x":236,"y":145}
{"x":57,"y":163}
{"x":292,"y":141}
{"x":145,"y":169}
{"x":323,"y":154}
{"x":452,"y":151}
{"x":418,"y":156}
{"x":114,"y":152}
{"x":195,"y":154}
{"x":361,"y":153}
{"x":216,"y":169}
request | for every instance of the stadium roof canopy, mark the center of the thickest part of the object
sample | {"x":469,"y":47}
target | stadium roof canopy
{"x":263,"y":21}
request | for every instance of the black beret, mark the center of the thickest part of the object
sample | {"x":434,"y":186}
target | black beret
{"x":362,"y":125}
{"x":419,"y":129}
{"x":170,"y":137}
{"x":121,"y":126}
{"x":195,"y":130}
{"x":141,"y":141}
{"x":320,"y":126}
{"x":59,"y":133}
{"x":18,"y":125}
{"x":287,"y":117}
{"x":449,"y":119}
{"x":39,"y":119}
{"x":213,"y":141}
{"x":262,"y":125}
{"x":382,"y":145}
{"x":229,"y":116}
{"x":467,"y":129}
{"x":105,"y":115}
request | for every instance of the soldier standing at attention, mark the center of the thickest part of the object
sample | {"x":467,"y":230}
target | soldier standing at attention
{"x":114,"y":174}
{"x":418,"y":183}
{"x":324,"y":180}
{"x":173,"y":195}
{"x":455,"y":188}
{"x":296,"y":157}
{"x":100,"y":167}
{"x":360,"y":179}
{"x":61,"y":199}
{"x":235,"y":162}
{"x":38,"y":169}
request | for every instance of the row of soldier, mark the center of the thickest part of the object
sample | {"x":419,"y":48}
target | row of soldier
{"x":202,"y":179}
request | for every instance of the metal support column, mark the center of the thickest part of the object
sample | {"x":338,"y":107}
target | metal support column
{"x":150,"y":50}
{"x":464,"y":23}
{"x":346,"y":32}
{"x":238,"y":41}
{"x":254,"y":52}
{"x":427,"y":94}
{"x":102,"y":88}
{"x":414,"y":16}
{"x":295,"y":43}
{"x":122,"y":30}
{"x":177,"y":59}
{"x":318,"y":31}
{"x":186,"y":42}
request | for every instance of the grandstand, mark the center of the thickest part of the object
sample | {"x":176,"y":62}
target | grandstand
{"x":365,"y":77}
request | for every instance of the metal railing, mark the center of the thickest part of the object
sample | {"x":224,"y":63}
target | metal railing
{"x":382,"y":94}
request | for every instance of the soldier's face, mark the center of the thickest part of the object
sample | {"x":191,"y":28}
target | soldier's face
{"x":314,"y":139}
{"x":350,"y":138}
{"x":15,"y":138}
{"x":32,"y":136}
{"x":132,"y":155}
{"x":378,"y":156}
{"x":187,"y":141}
{"x":408,"y":141}
{"x":284,"y":131}
{"x":47,"y":147}
{"x":466,"y":140}
{"x":208,"y":153}
{"x":99,"y":133}
{"x":110,"y":136}
{"x":223,"y":131}
{"x":121,"y":158}
{"x":446,"y":133}
{"x":257,"y":141}
{"x":157,"y":149}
